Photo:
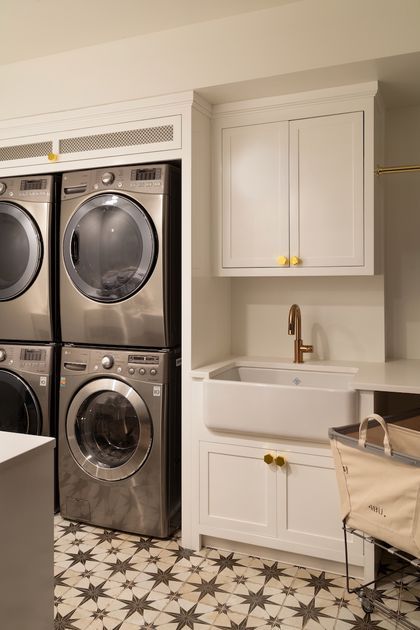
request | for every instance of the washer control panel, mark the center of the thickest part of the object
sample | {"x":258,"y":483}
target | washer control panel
{"x":136,"y":365}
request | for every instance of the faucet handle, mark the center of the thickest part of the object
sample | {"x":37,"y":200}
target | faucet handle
{"x":306,"y":347}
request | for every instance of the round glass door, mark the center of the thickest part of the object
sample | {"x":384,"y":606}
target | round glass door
{"x":109,"y":429}
{"x":20,"y":251}
{"x":109,"y":248}
{"x":20,"y":411}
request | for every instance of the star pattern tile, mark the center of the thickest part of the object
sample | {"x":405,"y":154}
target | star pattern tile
{"x":109,"y":580}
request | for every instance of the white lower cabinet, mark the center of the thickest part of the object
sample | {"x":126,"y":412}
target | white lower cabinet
{"x":237,"y":489}
{"x":293,"y":507}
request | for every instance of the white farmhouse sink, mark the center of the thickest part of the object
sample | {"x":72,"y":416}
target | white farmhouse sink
{"x":299,"y":402}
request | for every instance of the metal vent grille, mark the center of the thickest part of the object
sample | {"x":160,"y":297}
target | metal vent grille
{"x":23,"y":151}
{"x":132,"y":137}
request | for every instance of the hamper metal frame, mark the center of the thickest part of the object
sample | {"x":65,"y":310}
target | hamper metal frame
{"x":367,"y":592}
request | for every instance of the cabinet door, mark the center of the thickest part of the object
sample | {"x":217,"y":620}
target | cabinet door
{"x":255,"y":204}
{"x":237,"y":489}
{"x":309,"y":509}
{"x":326,"y":191}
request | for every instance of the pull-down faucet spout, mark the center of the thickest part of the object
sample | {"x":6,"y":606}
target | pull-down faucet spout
{"x":295,"y":328}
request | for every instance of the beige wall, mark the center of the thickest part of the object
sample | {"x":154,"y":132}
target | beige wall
{"x":295,"y":38}
{"x":402,"y":235}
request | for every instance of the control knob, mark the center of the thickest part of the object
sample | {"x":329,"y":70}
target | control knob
{"x":3,"y":354}
{"x":108,"y":178}
{"x":2,"y":188}
{"x":107,"y":362}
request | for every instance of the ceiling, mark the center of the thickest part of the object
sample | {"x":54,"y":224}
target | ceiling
{"x":39,"y":28}
{"x":398,"y":77}
{"x":47,"y":27}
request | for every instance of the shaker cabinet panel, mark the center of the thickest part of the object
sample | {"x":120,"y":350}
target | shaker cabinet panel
{"x":309,"y":508}
{"x":326,"y":190}
{"x":237,"y":489}
{"x":255,"y":222}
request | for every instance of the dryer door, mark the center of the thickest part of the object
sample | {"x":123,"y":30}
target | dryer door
{"x":20,"y":251}
{"x":20,"y":412}
{"x":109,"y":429}
{"x":109,"y":248}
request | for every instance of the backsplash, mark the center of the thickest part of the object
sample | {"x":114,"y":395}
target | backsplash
{"x":342,"y":317}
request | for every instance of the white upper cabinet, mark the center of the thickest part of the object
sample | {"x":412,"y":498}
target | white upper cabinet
{"x":294,"y":185}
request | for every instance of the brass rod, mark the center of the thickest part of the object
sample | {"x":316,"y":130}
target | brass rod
{"x":383,"y":170}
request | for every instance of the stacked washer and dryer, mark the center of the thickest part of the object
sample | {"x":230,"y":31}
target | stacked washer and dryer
{"x":28,"y":317}
{"x":120,"y":307}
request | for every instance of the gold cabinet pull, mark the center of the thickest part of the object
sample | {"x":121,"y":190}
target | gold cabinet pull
{"x":52,"y":157}
{"x":295,"y":260}
{"x":268,"y":458}
{"x":282,"y":260}
{"x":280,"y":460}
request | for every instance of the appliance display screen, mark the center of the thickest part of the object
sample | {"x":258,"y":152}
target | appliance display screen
{"x":32,"y":355}
{"x":141,"y":358}
{"x":33,"y":184}
{"x":145,"y":174}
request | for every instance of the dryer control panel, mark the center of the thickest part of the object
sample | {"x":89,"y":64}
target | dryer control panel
{"x":142,"y":178}
{"x":25,"y":359}
{"x":37,"y":188}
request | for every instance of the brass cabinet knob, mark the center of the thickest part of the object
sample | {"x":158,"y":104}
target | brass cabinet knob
{"x":282,"y":260}
{"x":268,"y":458}
{"x":295,"y":260}
{"x":52,"y":157}
{"x":279,"y":460}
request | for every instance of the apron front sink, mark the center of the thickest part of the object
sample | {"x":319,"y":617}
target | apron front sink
{"x":295,"y":403}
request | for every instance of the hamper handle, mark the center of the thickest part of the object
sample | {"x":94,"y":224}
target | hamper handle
{"x":364,"y":427}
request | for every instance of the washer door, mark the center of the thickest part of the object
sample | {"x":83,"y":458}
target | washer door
{"x":20,"y":251}
{"x":109,"y":248}
{"x":109,"y":429}
{"x":20,"y":412}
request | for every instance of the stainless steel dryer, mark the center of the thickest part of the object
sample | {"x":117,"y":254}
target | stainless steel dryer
{"x":26,"y":226}
{"x":120,"y":256}
{"x":26,"y":388}
{"x":119,"y":439}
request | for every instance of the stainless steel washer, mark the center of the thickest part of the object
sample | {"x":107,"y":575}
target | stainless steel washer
{"x":26,"y":388}
{"x":26,"y":267}
{"x":119,"y":438}
{"x":120,"y":256}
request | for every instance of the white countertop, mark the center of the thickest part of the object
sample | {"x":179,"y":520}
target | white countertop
{"x":398,"y":375}
{"x":17,"y":445}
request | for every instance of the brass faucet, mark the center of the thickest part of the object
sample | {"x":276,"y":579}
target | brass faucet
{"x":295,"y":328}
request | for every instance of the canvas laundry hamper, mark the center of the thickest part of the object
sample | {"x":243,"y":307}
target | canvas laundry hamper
{"x":377,"y":464}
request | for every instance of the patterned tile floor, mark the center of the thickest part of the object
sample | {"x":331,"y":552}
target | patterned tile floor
{"x":107,"y":580}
